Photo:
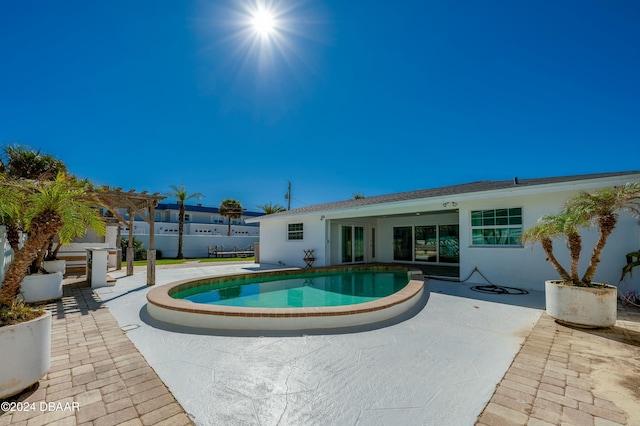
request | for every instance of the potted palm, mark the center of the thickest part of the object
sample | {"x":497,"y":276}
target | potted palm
{"x":576,"y":299}
{"x":64,"y":206}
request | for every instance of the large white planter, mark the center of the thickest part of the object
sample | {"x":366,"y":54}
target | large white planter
{"x":58,"y":265}
{"x":41,"y":287}
{"x":25,"y":354}
{"x":582,"y":306}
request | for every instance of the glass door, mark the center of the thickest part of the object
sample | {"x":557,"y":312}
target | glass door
{"x":426,"y":244}
{"x":403,"y":243}
{"x":352,"y":244}
{"x":449,"y":244}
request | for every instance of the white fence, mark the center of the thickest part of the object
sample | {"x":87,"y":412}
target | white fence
{"x":195,"y":245}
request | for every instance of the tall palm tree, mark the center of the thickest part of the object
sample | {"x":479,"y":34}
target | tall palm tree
{"x":65,"y":206}
{"x":181,"y":195}
{"x":599,"y":209}
{"x":271,"y":208}
{"x":231,"y":209}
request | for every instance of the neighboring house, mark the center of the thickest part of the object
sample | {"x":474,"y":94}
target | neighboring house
{"x":203,"y":227}
{"x":198,"y":220}
{"x":447,"y":231}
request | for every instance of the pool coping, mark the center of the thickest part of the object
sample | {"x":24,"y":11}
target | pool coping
{"x":165,"y":308}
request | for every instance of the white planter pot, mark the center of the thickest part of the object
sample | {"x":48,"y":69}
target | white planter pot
{"x":582,"y":306}
{"x":58,"y":265}
{"x":25,"y":351}
{"x":41,"y":287}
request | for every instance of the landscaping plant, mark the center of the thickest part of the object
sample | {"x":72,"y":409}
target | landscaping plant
{"x":65,"y":206}
{"x":599,"y":209}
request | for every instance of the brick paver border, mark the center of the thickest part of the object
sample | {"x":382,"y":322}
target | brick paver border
{"x":550,"y":383}
{"x":95,"y":366}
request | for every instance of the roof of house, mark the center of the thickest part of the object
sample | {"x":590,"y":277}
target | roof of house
{"x":486,"y":185}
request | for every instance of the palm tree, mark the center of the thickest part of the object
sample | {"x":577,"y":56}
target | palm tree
{"x":599,"y":209}
{"x":231,"y":209}
{"x":181,"y":195}
{"x":358,"y":196}
{"x":558,"y":226}
{"x":23,"y":162}
{"x":271,"y":209}
{"x":65,"y":206}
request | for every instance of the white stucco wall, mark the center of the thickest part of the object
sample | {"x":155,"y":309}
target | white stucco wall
{"x":526,"y":266}
{"x":169,"y":228}
{"x":511,"y":266}
{"x":195,"y":245}
{"x":275,"y":249}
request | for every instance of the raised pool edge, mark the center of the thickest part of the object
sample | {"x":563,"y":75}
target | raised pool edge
{"x":162,"y":307}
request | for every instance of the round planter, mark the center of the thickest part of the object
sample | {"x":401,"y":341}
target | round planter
{"x":58,"y":265}
{"x":25,"y":351}
{"x":41,"y":287}
{"x":582,"y":306}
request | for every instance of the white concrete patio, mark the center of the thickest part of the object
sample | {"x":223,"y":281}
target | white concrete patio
{"x":439,"y":366}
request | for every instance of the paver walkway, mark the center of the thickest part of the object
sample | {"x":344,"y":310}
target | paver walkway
{"x":572,"y":376}
{"x":95,"y":364}
{"x":561,"y":375}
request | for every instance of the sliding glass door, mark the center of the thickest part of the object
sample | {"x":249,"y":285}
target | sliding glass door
{"x":427,"y":243}
{"x":352,"y":244}
{"x":403,"y":243}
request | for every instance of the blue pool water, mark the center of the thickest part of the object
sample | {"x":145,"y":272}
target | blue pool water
{"x":300,"y":290}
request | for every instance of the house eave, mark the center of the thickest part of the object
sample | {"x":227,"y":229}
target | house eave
{"x":437,"y":203}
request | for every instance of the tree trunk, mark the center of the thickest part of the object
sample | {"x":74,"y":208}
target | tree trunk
{"x":547,"y":246}
{"x":575,"y":247}
{"x":229,"y":226}
{"x":13,"y":236}
{"x":42,"y":228}
{"x":180,"y":230}
{"x":606,"y":224}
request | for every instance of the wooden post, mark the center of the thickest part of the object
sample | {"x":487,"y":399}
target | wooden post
{"x":118,"y":249}
{"x":151,"y":253}
{"x":130,"y":253}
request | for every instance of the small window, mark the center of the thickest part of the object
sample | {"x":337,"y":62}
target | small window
{"x":187,"y":217}
{"x":295,"y":231}
{"x":497,"y":227}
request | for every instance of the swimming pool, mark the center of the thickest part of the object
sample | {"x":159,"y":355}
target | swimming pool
{"x":302,"y":290}
{"x":317,"y":298}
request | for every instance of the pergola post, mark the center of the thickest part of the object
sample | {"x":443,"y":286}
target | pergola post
{"x":130,"y":254}
{"x":136,"y":203}
{"x":118,"y":249}
{"x":151,"y":252}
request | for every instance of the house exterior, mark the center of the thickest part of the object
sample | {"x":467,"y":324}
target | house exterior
{"x":203,"y":227}
{"x":454,"y":228}
{"x":198,"y":220}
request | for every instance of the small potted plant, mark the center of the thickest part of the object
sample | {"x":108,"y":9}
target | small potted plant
{"x":64,"y":206}
{"x":576,"y":299}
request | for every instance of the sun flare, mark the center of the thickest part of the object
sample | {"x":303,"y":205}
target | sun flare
{"x":263,"y":22}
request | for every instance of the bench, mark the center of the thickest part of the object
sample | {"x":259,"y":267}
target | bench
{"x":219,"y":251}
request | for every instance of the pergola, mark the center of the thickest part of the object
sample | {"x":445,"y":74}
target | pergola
{"x":139,"y":203}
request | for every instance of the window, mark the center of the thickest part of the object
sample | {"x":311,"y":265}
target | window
{"x":295,"y":231}
{"x":497,"y":227}
{"x":187,"y":217}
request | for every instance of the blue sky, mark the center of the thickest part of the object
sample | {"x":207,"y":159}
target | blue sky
{"x":344,"y":97}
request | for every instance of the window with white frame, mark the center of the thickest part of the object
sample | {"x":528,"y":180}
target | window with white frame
{"x":187,"y":217}
{"x":496,"y":227}
{"x":294,"y":231}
